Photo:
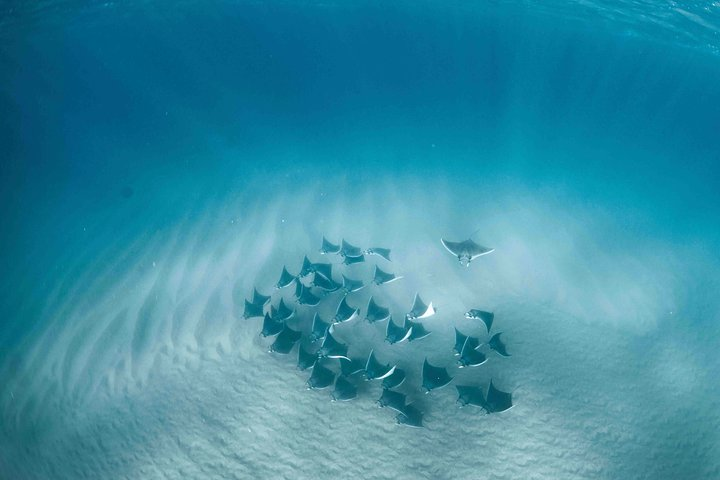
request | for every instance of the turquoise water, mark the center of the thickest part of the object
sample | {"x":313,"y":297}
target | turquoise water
{"x":160,"y":161}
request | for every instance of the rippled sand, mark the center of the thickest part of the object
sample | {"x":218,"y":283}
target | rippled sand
{"x":143,"y":366}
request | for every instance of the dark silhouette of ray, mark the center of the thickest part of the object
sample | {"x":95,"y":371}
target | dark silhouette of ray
{"x":306,"y":359}
{"x":434,"y":377}
{"x":375,"y":312}
{"x":349,"y":285}
{"x":395,"y":379}
{"x":327,"y":284}
{"x":348,"y":250}
{"x":319,"y":328}
{"x":348,"y":260}
{"x":486,"y":317}
{"x":286,"y":278}
{"x":459,"y":341}
{"x":391,"y":399}
{"x":350,"y":367}
{"x":329,"y":247}
{"x":344,"y":390}
{"x":410,"y":417}
{"x":469,"y":355}
{"x":252,"y":310}
{"x":345,"y":312}
{"x":497,"y":400}
{"x":285,"y":341}
{"x":258,"y":298}
{"x":396,"y":333}
{"x":497,"y":344}
{"x":282,"y":312}
{"x":271,"y":326}
{"x":420,"y":309}
{"x":331,"y":348}
{"x":306,"y":297}
{"x":321,"y":377}
{"x":417,"y":330}
{"x":374,"y":370}
{"x":323,"y":269}
{"x":380,"y":277}
{"x":469,"y":395}
{"x":466,"y":251}
{"x":307,"y":267}
{"x":379,"y":251}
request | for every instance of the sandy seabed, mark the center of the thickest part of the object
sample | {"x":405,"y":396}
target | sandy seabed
{"x":145,"y":368}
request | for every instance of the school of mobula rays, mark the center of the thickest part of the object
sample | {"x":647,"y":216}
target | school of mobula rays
{"x":315,"y":283}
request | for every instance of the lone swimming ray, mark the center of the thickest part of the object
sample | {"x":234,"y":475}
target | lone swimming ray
{"x":466,"y":251}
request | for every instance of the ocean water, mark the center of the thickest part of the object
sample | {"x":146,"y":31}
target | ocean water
{"x":159,"y":160}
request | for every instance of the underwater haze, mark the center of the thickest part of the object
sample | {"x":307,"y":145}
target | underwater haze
{"x":159,"y":160}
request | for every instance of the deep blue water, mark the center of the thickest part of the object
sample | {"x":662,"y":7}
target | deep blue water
{"x":188,"y":106}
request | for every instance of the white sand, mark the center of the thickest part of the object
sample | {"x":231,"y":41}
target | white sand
{"x":144,"y":367}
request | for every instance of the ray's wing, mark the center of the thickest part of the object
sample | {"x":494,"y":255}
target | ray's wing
{"x":381,"y":277}
{"x":286,"y":278}
{"x":285,"y":341}
{"x":497,"y":344}
{"x":379,"y":251}
{"x":395,"y":379}
{"x":456,"y":248}
{"x":410,"y":417}
{"x":396,"y":333}
{"x":349,"y":250}
{"x":345,"y":312}
{"x":253,"y":310}
{"x":417,"y":330}
{"x":319,"y":328}
{"x":258,"y":298}
{"x":459,"y":341}
{"x":497,"y":400}
{"x":321,"y":377}
{"x":344,"y":390}
{"x":474,"y":250}
{"x":375,"y":312}
{"x":329,"y":247}
{"x":434,"y":377}
{"x":374,"y":370}
{"x":306,"y":359}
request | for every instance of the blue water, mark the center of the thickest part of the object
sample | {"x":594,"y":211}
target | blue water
{"x":218,"y":141}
